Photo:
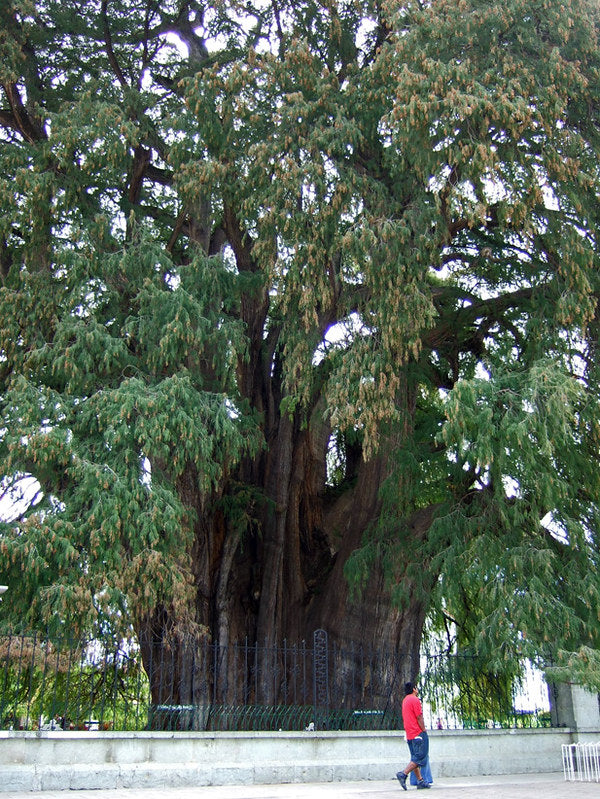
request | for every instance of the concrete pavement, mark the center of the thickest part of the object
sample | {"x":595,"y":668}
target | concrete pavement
{"x":518,"y":786}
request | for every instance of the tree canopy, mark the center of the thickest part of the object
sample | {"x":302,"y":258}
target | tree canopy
{"x":298,"y":317}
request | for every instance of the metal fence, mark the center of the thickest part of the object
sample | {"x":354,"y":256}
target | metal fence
{"x":195,"y":685}
{"x":581,"y":762}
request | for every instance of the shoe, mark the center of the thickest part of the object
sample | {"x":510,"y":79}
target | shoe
{"x":422,"y":784}
{"x":402,"y":779}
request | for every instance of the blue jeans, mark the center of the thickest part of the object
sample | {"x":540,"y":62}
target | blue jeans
{"x":419,"y":749}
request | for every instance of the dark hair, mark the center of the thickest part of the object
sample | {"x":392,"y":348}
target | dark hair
{"x":408,"y":688}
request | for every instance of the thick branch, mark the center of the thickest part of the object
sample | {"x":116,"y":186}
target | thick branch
{"x":109,"y":47}
{"x":141,"y":160}
{"x":18,"y":118}
{"x":239,"y":240}
{"x":462,"y":318}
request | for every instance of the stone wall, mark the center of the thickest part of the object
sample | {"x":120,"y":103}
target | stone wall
{"x":55,"y":760}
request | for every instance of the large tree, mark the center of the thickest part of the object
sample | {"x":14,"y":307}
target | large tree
{"x":298,"y":317}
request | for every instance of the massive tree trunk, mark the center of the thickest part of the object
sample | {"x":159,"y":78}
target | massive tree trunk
{"x":283,"y":577}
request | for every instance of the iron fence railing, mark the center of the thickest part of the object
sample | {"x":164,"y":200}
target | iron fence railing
{"x":190,"y":684}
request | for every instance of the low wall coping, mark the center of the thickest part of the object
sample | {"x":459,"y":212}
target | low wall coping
{"x":246,"y":734}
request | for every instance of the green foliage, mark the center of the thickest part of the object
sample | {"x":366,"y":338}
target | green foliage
{"x":524,"y":441}
{"x":67,"y":684}
{"x":117,"y":397}
{"x":581,"y":667}
{"x":471,"y":693}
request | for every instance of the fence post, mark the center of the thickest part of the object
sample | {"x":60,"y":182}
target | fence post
{"x":320,"y":678}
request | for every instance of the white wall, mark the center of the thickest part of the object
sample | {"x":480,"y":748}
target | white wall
{"x":55,"y":760}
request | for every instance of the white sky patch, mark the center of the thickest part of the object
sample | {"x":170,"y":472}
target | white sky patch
{"x":232,"y":411}
{"x":512,"y":487}
{"x":337,"y":335}
{"x":146,"y":471}
{"x":17,"y":495}
{"x":366,"y":27}
{"x":554,"y":528}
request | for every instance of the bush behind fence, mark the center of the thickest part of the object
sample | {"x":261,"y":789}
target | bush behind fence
{"x":192,"y":684}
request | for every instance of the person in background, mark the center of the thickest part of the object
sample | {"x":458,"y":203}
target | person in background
{"x":416,"y":736}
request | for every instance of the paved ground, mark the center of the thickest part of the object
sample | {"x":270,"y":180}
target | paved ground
{"x":519,"y":786}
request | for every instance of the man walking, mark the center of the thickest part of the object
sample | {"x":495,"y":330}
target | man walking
{"x":416,"y":736}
